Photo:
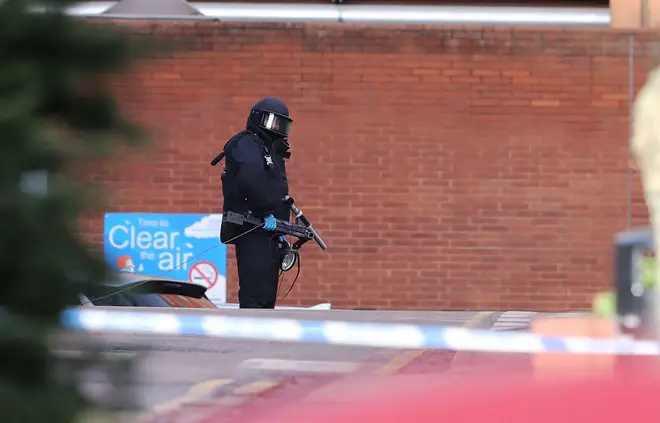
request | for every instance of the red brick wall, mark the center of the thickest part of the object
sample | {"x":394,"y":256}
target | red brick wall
{"x":446,"y":168}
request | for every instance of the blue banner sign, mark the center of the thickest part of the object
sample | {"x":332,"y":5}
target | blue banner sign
{"x":176,"y":246}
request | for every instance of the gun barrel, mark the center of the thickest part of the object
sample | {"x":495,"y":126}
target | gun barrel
{"x":300,"y":215}
{"x":317,"y":238}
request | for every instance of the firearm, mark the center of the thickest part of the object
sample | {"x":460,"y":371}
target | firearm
{"x":283,"y":227}
{"x":304,"y":230}
{"x":307,"y":225}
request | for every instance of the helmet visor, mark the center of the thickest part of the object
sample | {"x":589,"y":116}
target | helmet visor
{"x":276,"y":123}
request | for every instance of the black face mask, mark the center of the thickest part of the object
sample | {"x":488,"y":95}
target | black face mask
{"x":281,"y":146}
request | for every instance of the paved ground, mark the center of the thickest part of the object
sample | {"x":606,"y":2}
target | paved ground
{"x":175,"y":371}
{"x":335,"y":401}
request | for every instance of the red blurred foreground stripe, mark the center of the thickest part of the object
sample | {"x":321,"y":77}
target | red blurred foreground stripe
{"x":494,"y":398}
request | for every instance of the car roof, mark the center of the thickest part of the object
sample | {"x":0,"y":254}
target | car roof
{"x":123,"y":279}
{"x":127,"y":278}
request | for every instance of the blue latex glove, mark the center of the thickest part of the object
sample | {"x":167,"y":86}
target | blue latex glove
{"x":270,"y":223}
{"x":282,"y":238}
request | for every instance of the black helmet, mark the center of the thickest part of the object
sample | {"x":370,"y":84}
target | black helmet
{"x":271,"y":115}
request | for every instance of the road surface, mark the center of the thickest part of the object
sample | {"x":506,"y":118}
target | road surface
{"x":174,"y":370}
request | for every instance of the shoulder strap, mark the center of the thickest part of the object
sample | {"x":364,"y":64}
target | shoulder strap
{"x":268,"y":160}
{"x":223,"y":154}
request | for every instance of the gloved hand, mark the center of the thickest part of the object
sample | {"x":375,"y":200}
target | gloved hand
{"x":282,"y":238}
{"x":270,"y":223}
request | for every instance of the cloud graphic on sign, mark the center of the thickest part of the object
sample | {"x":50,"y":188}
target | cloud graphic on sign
{"x":208,"y":227}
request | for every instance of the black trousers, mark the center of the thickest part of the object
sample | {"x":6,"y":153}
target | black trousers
{"x":257,"y":257}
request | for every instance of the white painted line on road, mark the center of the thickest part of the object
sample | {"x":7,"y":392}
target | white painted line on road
{"x":300,"y":365}
{"x":514,"y":320}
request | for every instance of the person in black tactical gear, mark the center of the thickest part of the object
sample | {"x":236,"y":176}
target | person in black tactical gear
{"x":254,"y":180}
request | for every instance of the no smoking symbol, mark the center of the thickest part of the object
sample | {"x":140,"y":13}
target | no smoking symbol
{"x":203,"y":273}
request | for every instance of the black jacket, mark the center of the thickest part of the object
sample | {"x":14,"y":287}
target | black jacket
{"x":247,"y":183}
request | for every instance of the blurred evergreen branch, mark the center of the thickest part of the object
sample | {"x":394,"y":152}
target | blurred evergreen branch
{"x":55,"y":110}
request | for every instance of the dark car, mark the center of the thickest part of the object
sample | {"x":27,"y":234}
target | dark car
{"x":134,"y":290}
